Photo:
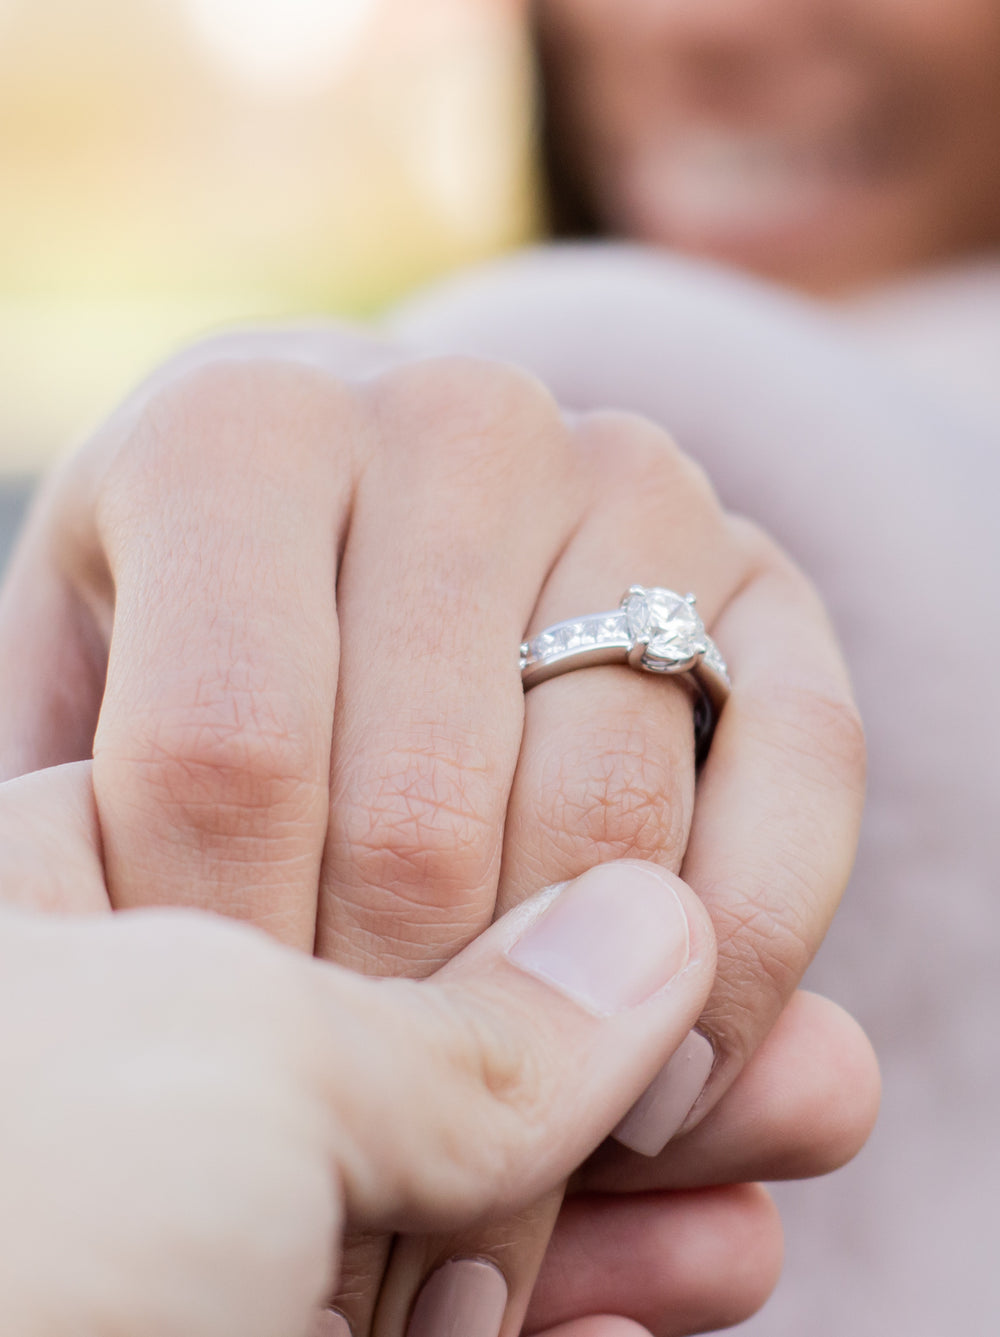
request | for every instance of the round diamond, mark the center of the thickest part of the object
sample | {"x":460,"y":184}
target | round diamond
{"x":667,"y":623}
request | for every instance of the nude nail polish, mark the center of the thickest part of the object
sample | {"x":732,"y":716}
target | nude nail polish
{"x":467,"y":1297}
{"x":611,"y":939}
{"x":665,"y":1104}
{"x":330,"y":1323}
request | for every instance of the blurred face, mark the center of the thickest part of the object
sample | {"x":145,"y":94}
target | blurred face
{"x":825,"y":143}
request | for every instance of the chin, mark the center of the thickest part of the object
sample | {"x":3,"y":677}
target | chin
{"x":841,"y":247}
{"x":826,"y":225}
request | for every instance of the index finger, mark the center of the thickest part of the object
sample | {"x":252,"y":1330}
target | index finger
{"x":211,"y":756}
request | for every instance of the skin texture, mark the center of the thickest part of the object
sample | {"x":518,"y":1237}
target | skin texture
{"x":377,"y":787}
{"x":259,"y":1109}
{"x":277,"y":1097}
{"x":826,"y":145}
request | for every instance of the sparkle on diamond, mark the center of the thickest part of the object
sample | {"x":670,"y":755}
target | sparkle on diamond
{"x":671,"y":628}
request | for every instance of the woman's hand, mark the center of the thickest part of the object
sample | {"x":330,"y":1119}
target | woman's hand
{"x":257,"y":542}
{"x":194,"y":1113}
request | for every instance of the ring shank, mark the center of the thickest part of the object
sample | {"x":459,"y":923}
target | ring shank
{"x":540,"y":670}
{"x":604,"y":638}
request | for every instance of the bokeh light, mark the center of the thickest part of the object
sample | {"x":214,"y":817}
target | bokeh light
{"x":168,"y":166}
{"x":282,"y":44}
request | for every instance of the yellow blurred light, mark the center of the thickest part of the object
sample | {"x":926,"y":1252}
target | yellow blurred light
{"x":170,"y":166}
{"x":282,"y":45}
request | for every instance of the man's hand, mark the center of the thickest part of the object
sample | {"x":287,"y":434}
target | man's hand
{"x":194,"y":1112}
{"x":289,"y":606}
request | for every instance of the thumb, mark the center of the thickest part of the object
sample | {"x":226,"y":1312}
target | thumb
{"x":478,"y":1090}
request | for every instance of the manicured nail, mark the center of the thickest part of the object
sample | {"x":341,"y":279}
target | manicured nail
{"x":330,"y":1323}
{"x":665,"y":1104}
{"x":465,"y":1298}
{"x":610,"y":940}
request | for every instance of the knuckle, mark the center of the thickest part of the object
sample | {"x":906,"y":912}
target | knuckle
{"x":226,"y":776}
{"x":492,"y":1053}
{"x":457,"y":1052}
{"x":215,"y":389}
{"x":462,"y":384}
{"x":630,"y":450}
{"x":422,"y":827}
{"x":507,"y":1081}
{"x":461,"y":1165}
{"x":459,"y":411}
{"x":614,"y":792}
{"x":222,"y":411}
{"x":199,"y":402}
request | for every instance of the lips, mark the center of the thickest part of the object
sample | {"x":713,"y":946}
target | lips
{"x":717,"y":186}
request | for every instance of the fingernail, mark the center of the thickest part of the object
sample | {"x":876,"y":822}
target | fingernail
{"x":611,"y":939}
{"x":665,"y":1104}
{"x":465,"y":1298}
{"x":330,"y":1323}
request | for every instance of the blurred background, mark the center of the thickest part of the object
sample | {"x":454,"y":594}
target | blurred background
{"x":170,"y":166}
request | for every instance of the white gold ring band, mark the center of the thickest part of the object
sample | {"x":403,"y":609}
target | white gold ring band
{"x":654,"y":630}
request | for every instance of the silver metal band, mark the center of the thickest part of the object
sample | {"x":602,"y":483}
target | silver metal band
{"x":654,"y":630}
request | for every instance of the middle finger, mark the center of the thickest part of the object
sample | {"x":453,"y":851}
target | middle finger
{"x":456,"y":521}
{"x":606,"y":768}
{"x":462,"y":510}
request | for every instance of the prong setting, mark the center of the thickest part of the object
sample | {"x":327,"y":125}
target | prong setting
{"x":653,"y":629}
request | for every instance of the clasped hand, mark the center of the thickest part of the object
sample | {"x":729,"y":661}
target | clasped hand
{"x":281,"y":599}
